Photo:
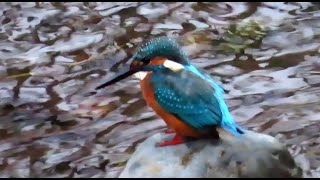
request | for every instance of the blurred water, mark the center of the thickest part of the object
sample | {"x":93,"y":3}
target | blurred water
{"x":53,"y":54}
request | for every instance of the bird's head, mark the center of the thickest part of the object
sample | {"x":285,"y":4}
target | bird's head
{"x":160,"y":47}
{"x":149,"y":53}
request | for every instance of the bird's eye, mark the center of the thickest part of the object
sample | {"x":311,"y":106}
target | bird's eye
{"x":136,"y":64}
{"x":145,"y":61}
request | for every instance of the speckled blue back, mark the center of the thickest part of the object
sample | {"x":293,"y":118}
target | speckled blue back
{"x":193,"y":97}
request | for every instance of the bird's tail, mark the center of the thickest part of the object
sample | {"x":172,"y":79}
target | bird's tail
{"x":233,"y":128}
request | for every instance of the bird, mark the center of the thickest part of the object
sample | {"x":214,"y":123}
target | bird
{"x":184,"y":96}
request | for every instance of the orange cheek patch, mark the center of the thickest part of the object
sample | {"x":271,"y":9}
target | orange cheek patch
{"x":158,"y":61}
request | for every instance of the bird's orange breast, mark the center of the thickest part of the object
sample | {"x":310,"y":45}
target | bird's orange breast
{"x":172,"y":121}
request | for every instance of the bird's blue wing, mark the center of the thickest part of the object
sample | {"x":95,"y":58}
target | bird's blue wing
{"x":188,"y":96}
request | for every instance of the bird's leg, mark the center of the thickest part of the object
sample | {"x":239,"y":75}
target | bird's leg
{"x":169,"y":131}
{"x":176,"y":140}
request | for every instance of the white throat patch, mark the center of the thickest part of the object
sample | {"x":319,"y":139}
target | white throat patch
{"x":140,"y":75}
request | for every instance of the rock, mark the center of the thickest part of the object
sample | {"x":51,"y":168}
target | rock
{"x":252,"y":155}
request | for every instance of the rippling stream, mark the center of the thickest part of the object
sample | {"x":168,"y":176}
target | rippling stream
{"x":52,"y":55}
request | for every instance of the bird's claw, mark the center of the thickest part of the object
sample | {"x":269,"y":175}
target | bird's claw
{"x":175,"y":141}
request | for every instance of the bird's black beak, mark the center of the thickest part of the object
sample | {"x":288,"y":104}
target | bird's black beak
{"x":125,"y":72}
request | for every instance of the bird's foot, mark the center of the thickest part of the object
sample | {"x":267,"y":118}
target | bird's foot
{"x":169,"y":131}
{"x":175,"y":141}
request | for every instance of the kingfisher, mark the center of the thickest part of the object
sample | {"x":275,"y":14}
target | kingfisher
{"x":184,"y":96}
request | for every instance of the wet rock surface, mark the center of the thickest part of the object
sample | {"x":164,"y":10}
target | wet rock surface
{"x":52,"y":55}
{"x":253,"y":155}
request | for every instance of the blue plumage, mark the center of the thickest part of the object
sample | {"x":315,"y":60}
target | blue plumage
{"x":161,"y":47}
{"x":194,"y":97}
